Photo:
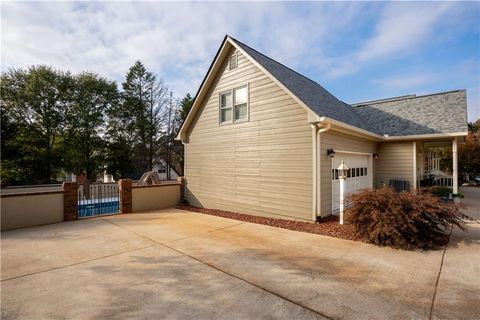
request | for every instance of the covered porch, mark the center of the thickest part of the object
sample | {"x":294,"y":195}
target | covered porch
{"x":436,"y":163}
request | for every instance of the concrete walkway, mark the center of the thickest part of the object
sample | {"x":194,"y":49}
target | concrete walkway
{"x":458,"y":290}
{"x":175,"y":264}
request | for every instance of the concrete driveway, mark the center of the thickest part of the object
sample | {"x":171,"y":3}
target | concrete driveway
{"x":176,"y":264}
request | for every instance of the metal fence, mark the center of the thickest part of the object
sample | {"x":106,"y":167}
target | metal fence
{"x":97,"y":199}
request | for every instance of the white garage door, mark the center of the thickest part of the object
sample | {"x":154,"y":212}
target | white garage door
{"x":359,"y":175}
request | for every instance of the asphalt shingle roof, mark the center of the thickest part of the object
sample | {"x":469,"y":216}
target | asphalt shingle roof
{"x":410,"y":115}
{"x":311,"y":93}
{"x":444,"y":112}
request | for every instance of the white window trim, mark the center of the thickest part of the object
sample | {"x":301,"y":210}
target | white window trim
{"x":230,"y":59}
{"x":220,"y":107}
{"x":232,"y":92}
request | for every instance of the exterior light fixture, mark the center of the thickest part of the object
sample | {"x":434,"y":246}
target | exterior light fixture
{"x":375,"y":156}
{"x":331,"y":153}
{"x":342,"y":174}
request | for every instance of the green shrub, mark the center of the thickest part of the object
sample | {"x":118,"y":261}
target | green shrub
{"x":407,"y":220}
{"x":440,"y":191}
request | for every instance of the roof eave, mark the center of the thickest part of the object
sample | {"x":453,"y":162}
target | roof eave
{"x":182,"y":132}
{"x":427,"y":136}
{"x":352,"y":129}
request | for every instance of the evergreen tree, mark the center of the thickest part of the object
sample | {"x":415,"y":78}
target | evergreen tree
{"x":144,"y":98}
{"x":178,"y":149}
{"x":185,"y":106}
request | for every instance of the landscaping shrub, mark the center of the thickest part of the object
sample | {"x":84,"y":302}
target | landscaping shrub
{"x":407,"y":220}
{"x":440,"y":191}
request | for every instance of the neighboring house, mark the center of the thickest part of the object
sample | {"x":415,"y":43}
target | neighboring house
{"x":162,"y":168}
{"x":262,"y":139}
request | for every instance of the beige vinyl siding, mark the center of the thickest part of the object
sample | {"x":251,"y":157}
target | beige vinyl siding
{"x":395,"y":162}
{"x":262,"y":166}
{"x":338,"y":141}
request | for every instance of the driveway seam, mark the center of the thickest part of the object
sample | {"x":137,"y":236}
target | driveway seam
{"x":226,"y":272}
{"x":438,"y":278}
{"x":78,"y":263}
{"x":199,"y":234}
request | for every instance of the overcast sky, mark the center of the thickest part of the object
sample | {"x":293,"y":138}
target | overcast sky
{"x":358,"y":51}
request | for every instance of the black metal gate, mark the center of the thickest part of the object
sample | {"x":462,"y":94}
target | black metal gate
{"x":97,"y":199}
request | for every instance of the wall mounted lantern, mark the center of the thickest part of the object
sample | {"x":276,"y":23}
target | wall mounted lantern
{"x":331,"y":153}
{"x":375,"y":156}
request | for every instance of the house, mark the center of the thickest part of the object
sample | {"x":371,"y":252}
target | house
{"x":165,"y":170}
{"x":262,"y":139}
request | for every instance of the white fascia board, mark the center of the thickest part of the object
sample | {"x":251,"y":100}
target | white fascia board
{"x":375,"y":136}
{"x":201,"y":92}
{"x":427,"y":136}
{"x":340,"y":124}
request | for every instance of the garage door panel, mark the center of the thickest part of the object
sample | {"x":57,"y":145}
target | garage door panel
{"x":360,"y":175}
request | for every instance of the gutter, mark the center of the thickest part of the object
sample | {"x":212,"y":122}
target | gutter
{"x":378,"y":137}
{"x":352,"y":128}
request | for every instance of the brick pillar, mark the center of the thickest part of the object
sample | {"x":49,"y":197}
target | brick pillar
{"x":125,"y":190}
{"x":70,"y":201}
{"x":181,"y":180}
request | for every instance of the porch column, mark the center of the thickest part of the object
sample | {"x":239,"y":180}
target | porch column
{"x":414,"y":165}
{"x":455,"y":166}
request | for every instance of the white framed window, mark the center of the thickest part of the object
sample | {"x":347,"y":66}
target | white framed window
{"x":241,"y":103}
{"x":234,"y":105}
{"x":233,"y":61}
{"x":226,"y":106}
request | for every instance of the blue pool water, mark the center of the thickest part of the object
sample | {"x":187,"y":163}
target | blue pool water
{"x":89,"y":208}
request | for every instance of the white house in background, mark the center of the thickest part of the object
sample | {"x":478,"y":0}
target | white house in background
{"x":263,"y":139}
{"x":161,"y":167}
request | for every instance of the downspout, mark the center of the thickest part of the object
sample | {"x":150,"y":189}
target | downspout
{"x":184,"y":171}
{"x":319,"y":175}
{"x":314,"y":169}
{"x":316,"y":172}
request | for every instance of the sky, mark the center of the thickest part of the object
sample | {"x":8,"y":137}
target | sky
{"x":357,"y":50}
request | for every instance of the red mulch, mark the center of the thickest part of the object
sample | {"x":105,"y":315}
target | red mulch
{"x":327,"y":227}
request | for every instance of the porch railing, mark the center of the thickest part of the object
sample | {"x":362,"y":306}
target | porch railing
{"x":443,"y":181}
{"x":433,"y":180}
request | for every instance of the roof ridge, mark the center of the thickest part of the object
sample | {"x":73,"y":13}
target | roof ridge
{"x":405,"y":97}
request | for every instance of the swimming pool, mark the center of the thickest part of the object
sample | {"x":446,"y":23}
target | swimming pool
{"x":94,"y":207}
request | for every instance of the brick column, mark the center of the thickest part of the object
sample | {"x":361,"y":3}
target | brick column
{"x":70,"y":201}
{"x":181,"y":180}
{"x":125,"y":190}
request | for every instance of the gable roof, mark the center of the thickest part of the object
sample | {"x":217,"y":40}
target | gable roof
{"x":401,"y":116}
{"x":443,"y":112}
{"x":317,"y":98}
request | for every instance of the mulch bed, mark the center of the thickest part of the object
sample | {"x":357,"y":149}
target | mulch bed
{"x":327,"y":227}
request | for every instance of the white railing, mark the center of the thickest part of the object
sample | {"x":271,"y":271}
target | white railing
{"x":443,"y":181}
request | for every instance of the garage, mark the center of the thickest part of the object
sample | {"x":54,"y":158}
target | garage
{"x":359,"y":176}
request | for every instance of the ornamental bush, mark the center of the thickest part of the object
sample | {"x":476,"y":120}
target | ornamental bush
{"x":406,"y":220}
{"x":439,"y":191}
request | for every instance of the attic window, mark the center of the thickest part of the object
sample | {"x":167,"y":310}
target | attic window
{"x":234,"y":105}
{"x":233,"y":61}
